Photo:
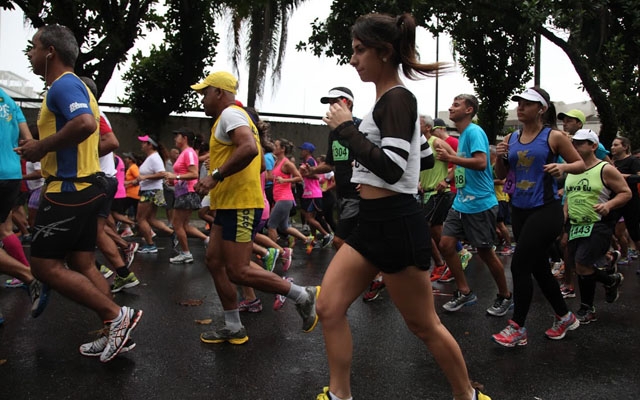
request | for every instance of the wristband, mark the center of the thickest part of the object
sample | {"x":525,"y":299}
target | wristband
{"x":217,"y":175}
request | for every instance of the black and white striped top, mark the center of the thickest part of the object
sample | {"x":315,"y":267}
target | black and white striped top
{"x":389,"y":149}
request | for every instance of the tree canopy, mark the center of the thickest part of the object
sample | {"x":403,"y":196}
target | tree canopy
{"x":158,"y":83}
{"x":266,"y":22}
{"x":495,"y":38}
{"x":105,"y":29}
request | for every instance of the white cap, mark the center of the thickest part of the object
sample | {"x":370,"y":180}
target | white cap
{"x":586,"y":134}
{"x":337,"y":93}
{"x":530,"y":95}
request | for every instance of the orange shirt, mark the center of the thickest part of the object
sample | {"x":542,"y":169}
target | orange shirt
{"x":132,"y":173}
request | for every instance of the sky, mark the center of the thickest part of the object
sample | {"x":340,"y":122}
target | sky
{"x":305,"y":78}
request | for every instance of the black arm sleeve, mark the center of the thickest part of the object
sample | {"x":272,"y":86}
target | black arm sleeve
{"x":395,"y":114}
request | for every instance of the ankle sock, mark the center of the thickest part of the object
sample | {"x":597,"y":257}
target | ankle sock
{"x":232,"y":319}
{"x":334,"y":397}
{"x":122,"y":272}
{"x":297,"y":293}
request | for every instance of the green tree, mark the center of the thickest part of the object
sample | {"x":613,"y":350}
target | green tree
{"x":602,"y":40}
{"x":496,"y":61}
{"x":105,"y":29}
{"x":266,"y":22}
{"x":158,"y":84}
{"x":480,"y":48}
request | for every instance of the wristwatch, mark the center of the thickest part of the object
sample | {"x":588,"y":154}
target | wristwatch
{"x":217,"y":175}
{"x":447,"y":180}
{"x":178,"y":177}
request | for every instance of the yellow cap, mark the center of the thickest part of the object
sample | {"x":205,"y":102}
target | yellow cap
{"x":221,"y":80}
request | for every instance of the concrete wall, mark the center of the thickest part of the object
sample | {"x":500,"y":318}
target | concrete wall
{"x":127,"y":130}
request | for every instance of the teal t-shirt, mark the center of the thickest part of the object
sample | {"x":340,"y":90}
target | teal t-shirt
{"x":10,"y":116}
{"x":475,"y":188}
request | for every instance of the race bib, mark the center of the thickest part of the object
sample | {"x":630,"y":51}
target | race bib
{"x":510,"y":183}
{"x":459,"y":177}
{"x":580,"y":231}
{"x":340,"y":153}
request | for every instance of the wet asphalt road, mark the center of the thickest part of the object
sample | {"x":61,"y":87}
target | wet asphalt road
{"x":40,"y":359}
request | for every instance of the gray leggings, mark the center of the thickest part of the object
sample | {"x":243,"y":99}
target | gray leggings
{"x":279,"y":216}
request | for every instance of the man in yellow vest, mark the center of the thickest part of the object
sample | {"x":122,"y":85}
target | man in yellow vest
{"x":233,"y":184}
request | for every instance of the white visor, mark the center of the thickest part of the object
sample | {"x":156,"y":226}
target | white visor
{"x":531,"y":95}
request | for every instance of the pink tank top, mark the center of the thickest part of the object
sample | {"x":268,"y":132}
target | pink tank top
{"x":281,"y":191}
{"x":121,"y":192}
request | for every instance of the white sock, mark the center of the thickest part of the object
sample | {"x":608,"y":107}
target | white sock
{"x":297,"y":293}
{"x":334,"y":397}
{"x":232,"y":319}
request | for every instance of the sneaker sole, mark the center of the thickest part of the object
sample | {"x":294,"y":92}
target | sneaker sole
{"x":522,"y":342}
{"x":125,"y":349}
{"x":127,"y":286}
{"x":181,"y":262}
{"x":242,"y":340}
{"x":108,"y":275}
{"x":315,"y":321}
{"x":469,"y":303}
{"x":134,"y":322}
{"x":446,"y":280}
{"x":571,"y":327}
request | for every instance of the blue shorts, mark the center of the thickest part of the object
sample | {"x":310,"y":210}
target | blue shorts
{"x":239,"y":226}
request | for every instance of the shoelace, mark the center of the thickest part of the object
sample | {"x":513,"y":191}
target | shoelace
{"x":510,"y":330}
{"x":558,"y":323}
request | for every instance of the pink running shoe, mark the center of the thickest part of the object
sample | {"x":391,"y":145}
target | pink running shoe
{"x":512,"y":335}
{"x":286,"y":256}
{"x":280,"y":299}
{"x":562,"y":325}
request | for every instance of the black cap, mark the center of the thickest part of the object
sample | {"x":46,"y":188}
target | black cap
{"x":186,"y":132}
{"x":439,"y":123}
{"x":130,"y":155}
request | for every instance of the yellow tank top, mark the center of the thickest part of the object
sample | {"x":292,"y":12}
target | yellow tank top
{"x":243,"y":189}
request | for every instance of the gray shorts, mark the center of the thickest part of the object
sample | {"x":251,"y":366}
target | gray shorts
{"x":279,"y":216}
{"x":478,"y":229}
{"x":348,"y":208}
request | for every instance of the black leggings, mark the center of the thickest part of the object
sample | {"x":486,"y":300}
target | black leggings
{"x":535,"y":231}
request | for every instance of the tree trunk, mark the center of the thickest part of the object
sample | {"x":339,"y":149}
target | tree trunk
{"x":608,"y":118}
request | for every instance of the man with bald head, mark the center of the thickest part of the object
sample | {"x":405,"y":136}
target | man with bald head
{"x":235,"y":191}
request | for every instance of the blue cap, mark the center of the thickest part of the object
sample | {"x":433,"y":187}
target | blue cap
{"x":307,"y":146}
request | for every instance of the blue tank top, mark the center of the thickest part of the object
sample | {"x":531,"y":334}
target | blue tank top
{"x":532,"y":186}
